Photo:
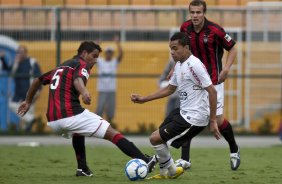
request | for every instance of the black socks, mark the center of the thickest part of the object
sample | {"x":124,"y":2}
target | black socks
{"x":78,"y":143}
{"x":128,"y":148}
{"x":227,"y":132}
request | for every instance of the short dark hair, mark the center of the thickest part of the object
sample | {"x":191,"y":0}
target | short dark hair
{"x":199,"y":3}
{"x":181,"y":37}
{"x":89,"y":46}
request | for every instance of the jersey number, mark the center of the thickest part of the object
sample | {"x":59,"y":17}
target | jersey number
{"x":56,"y":79}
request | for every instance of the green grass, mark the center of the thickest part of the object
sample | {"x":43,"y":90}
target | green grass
{"x":56,"y":164}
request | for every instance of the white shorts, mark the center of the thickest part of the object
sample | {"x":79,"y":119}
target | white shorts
{"x":220,"y":98}
{"x":86,"y":124}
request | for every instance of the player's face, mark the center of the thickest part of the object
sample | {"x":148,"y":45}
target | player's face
{"x":92,"y":56}
{"x":178,"y":52}
{"x":197,"y":15}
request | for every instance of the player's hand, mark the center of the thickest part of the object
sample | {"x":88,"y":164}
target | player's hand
{"x":86,"y":97}
{"x":214,"y":129}
{"x":223,"y":76}
{"x":137,"y":98}
{"x":23,"y":108}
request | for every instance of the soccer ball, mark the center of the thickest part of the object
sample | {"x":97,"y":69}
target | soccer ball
{"x":136,"y":169}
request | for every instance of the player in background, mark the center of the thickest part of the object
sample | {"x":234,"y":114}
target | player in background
{"x":197,"y":105}
{"x":207,"y":42}
{"x":66,"y":83}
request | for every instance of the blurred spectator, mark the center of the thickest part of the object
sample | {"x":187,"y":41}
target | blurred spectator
{"x":173,"y":100}
{"x":24,"y":70}
{"x":106,"y":85}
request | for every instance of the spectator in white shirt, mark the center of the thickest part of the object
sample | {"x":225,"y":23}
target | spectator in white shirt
{"x":106,"y":85}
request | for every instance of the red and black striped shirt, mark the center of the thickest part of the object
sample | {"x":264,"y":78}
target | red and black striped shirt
{"x":63,"y":97}
{"x":208,"y":45}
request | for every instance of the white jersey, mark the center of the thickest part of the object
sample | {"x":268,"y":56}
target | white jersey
{"x":191,"y":77}
{"x":106,"y":75}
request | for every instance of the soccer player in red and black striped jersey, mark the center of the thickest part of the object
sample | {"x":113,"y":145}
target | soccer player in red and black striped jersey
{"x":66,"y":83}
{"x":208,"y":41}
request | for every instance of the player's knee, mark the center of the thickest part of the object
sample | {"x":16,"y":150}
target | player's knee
{"x":155,"y":138}
{"x":111,"y":133}
{"x":219,"y":120}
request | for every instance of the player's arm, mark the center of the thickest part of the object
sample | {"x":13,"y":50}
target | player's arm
{"x":35,"y":86}
{"x":25,"y":105}
{"x":164,"y":92}
{"x":229,"y":62}
{"x":81,"y":88}
{"x":202,"y":78}
{"x":212,"y":101}
{"x":36,"y":73}
{"x":228,"y":44}
{"x":80,"y":78}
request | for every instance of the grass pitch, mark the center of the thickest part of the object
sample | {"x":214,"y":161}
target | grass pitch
{"x":56,"y":164}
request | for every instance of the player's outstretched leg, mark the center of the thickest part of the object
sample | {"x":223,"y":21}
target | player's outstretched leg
{"x":78,"y":143}
{"x":168,"y":169}
{"x":129,"y":148}
{"x":227,"y":132}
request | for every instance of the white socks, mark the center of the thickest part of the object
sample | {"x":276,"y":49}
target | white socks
{"x":165,"y":160}
{"x":172,"y":169}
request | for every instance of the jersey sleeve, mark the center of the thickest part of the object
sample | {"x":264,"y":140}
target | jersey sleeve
{"x":200,"y":75}
{"x":46,"y":78}
{"x":82,"y":71}
{"x":183,"y":27}
{"x":173,"y":79}
{"x":225,"y":40}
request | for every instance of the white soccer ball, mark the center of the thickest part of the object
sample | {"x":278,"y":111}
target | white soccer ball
{"x":136,"y":169}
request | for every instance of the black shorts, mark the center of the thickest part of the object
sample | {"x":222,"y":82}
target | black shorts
{"x":175,"y":130}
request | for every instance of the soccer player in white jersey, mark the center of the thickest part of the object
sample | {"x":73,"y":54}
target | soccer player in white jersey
{"x":197,"y":105}
{"x":106,"y":85}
